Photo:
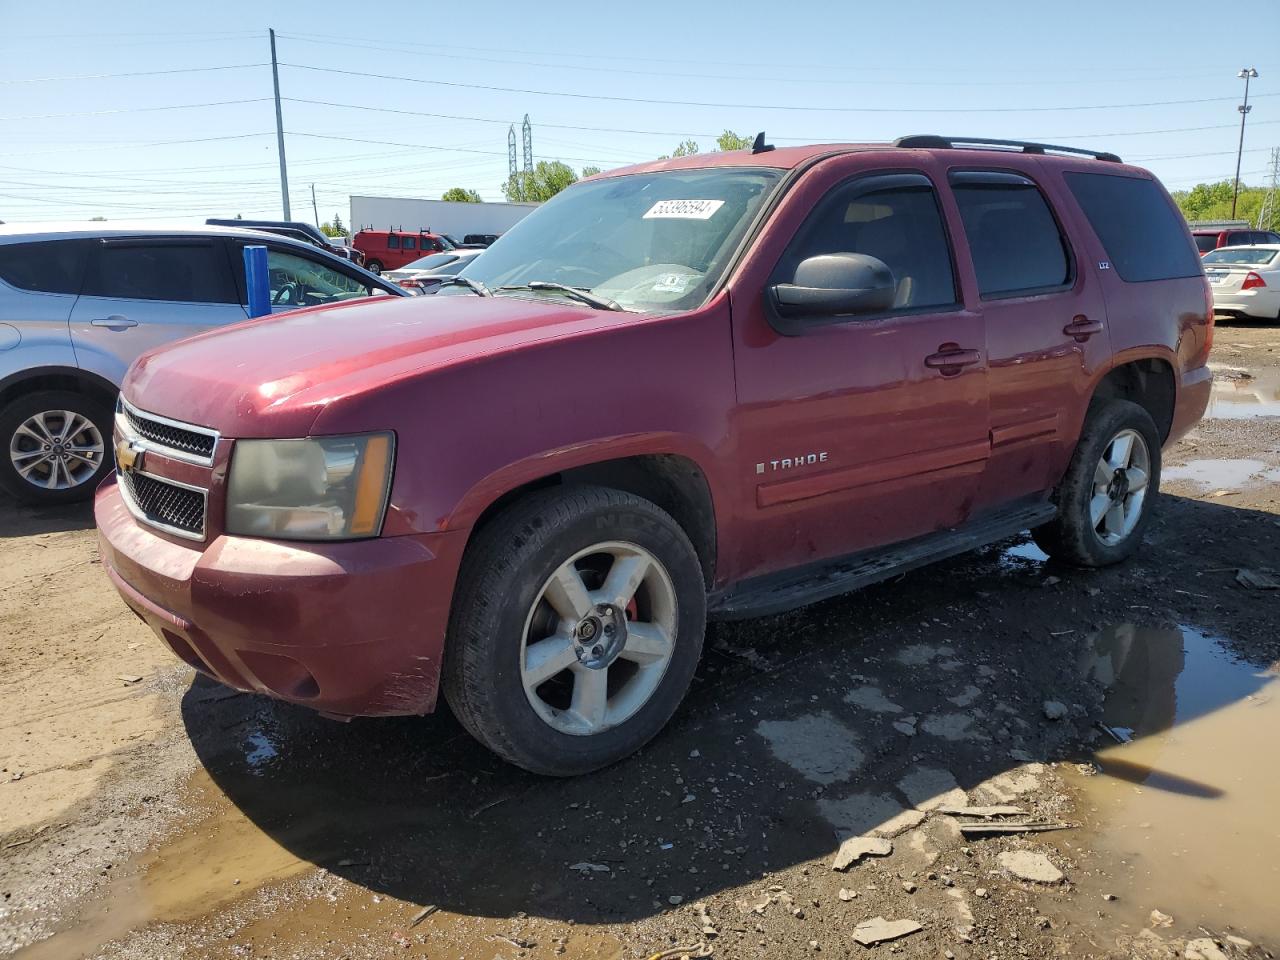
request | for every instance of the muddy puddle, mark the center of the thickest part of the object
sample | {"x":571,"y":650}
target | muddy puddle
{"x":1232,"y":474}
{"x":1243,"y":394}
{"x":1187,"y":809}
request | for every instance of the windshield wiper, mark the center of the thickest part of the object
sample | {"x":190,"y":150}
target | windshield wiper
{"x":575,"y":293}
{"x":475,"y":286}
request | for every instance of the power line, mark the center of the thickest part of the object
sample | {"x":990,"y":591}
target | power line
{"x":137,"y":73}
{"x":420,"y":146}
{"x":116,"y":110}
{"x":755,"y":106}
{"x":142,"y":143}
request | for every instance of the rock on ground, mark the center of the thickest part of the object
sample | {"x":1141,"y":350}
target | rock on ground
{"x":855,"y":848}
{"x":1026,"y":865}
{"x":878,"y":930}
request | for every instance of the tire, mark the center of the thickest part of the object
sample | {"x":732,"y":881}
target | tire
{"x":500,"y":610}
{"x":1074,"y":536}
{"x":37,"y":417}
{"x":374,"y":266}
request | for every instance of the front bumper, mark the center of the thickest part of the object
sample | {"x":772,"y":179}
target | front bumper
{"x":349,"y":629}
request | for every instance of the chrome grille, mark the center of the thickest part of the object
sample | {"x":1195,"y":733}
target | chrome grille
{"x":165,"y":504}
{"x":195,"y":443}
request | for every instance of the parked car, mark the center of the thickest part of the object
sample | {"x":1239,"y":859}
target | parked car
{"x":427,"y":272}
{"x":1211,"y":238}
{"x":480,"y":239}
{"x":79,"y":303}
{"x":722,"y":385}
{"x":392,"y":249}
{"x":296,"y":230}
{"x":1245,"y":281}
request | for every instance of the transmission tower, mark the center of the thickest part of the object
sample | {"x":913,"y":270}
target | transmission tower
{"x":528,"y":145}
{"x":1268,"y":211}
{"x":511,"y":160}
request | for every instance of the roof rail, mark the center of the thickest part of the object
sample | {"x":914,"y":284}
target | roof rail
{"x":933,"y":142}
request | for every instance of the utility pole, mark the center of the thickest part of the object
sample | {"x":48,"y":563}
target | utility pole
{"x":1246,"y":74}
{"x":512,"y":169}
{"x":527,"y":129}
{"x":275,"y":80}
{"x":1267,"y":212}
{"x":314,"y":209}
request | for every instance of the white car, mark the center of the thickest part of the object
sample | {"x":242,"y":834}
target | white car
{"x":422,"y":275}
{"x":1245,"y":280}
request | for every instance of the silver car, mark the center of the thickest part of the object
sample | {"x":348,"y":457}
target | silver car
{"x":79,"y":304}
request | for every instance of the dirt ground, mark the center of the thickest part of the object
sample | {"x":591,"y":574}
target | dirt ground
{"x":145,"y":812}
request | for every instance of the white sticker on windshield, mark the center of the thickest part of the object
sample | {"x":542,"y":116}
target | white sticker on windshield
{"x":683,"y":210}
{"x":674,"y":282}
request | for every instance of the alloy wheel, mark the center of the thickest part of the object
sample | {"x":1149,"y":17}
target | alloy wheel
{"x":56,"y":449}
{"x":1120,"y":487}
{"x":598,"y":638}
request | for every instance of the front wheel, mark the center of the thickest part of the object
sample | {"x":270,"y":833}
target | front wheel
{"x":1105,"y":499}
{"x":56,"y":446}
{"x":374,"y":266}
{"x":576,"y":627}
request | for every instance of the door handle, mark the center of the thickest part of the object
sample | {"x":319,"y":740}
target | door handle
{"x":114,"y":322}
{"x":1081,"y":328}
{"x":950,"y":358}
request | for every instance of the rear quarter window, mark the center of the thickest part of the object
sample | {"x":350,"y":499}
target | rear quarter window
{"x":1144,"y":236}
{"x":51,"y":266}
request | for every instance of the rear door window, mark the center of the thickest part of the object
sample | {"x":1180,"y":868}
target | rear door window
{"x":1206,"y":242}
{"x":53,"y":266}
{"x":1017,"y":247}
{"x":181,"y":271}
{"x":1144,"y":235}
{"x":894,"y":218}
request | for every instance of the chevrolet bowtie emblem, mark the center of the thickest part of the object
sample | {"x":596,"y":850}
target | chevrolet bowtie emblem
{"x":129,"y":457}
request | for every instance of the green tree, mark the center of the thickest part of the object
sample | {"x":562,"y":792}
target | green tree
{"x":726,"y":141}
{"x":461,"y":195}
{"x":334,"y":227}
{"x":731,"y":141}
{"x":589,"y":172}
{"x":548,"y":178}
{"x":1212,"y":201}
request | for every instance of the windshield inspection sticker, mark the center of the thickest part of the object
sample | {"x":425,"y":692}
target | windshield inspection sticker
{"x":683,"y":210}
{"x":674,"y":282}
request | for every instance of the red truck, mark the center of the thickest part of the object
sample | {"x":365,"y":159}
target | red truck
{"x":718,"y":386}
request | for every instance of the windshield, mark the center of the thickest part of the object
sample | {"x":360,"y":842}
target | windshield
{"x":652,"y":242}
{"x":1250,"y":255}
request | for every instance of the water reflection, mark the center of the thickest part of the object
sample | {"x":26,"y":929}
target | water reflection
{"x":1245,"y":394}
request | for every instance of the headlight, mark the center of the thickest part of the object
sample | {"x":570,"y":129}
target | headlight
{"x":325,"y":488}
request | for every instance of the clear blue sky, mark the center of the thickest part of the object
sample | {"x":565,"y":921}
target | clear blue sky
{"x":802,"y":71}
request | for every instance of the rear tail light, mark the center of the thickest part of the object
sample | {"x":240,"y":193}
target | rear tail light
{"x":1252,"y":281}
{"x":1202,"y":354}
{"x":410,"y":283}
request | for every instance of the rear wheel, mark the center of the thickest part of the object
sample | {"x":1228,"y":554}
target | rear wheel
{"x":56,"y":446}
{"x":1105,"y":499}
{"x":576,"y":628}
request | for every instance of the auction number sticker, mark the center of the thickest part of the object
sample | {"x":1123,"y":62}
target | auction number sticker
{"x":683,"y":210}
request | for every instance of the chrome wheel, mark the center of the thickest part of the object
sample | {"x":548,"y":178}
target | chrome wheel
{"x":56,"y":449}
{"x":598,"y":638}
{"x":1120,"y":487}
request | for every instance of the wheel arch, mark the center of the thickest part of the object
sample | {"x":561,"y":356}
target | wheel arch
{"x":57,"y":378}
{"x":673,"y":481}
{"x":1147,"y":381}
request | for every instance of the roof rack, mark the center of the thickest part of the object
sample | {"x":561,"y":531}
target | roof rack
{"x":933,"y":142}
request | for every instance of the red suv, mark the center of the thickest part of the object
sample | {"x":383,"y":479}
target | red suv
{"x":392,"y":249}
{"x":1211,"y":238}
{"x":717,"y":386}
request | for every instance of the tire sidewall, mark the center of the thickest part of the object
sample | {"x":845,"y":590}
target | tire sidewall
{"x":536,"y":559}
{"x":1103,"y":424}
{"x":19,"y":410}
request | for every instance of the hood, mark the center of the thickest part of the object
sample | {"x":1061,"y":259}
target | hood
{"x":273,"y":377}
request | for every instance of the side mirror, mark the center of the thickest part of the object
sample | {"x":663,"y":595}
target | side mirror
{"x":835,"y":285}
